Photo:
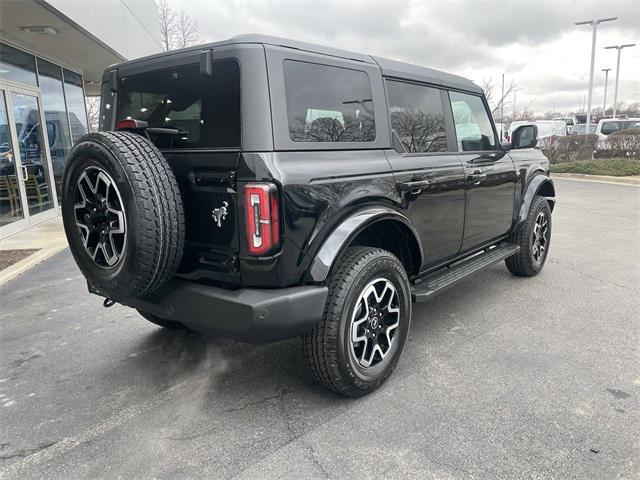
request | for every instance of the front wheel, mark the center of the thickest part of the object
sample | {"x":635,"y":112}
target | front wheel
{"x":534,"y":239}
{"x":365,"y":324}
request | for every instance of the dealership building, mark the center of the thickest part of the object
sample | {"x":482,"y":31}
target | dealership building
{"x":52,"y":54}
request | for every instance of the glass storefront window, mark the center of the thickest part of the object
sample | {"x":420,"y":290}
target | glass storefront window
{"x":55,"y":114}
{"x":35,"y":176}
{"x":17,"y":66}
{"x":10,"y":203}
{"x":75,"y":104}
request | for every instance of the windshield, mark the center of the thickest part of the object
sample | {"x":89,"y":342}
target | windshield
{"x":205,"y":110}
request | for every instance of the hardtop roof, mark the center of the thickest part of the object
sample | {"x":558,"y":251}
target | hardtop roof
{"x":391,"y":68}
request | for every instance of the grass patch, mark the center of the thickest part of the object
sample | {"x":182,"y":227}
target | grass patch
{"x":617,"y":167}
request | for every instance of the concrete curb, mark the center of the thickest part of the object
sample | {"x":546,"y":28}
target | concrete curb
{"x":26,"y":264}
{"x":633,"y":181}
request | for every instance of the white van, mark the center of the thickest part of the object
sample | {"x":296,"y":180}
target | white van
{"x":607,"y":126}
{"x":546,"y":128}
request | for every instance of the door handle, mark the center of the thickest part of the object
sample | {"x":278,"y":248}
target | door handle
{"x":414,"y":187}
{"x":25,"y":174}
{"x":477,"y":177}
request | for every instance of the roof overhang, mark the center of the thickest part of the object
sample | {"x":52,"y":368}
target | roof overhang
{"x":71,"y":46}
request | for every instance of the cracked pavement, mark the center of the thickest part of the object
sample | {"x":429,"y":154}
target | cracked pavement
{"x":502,"y":377}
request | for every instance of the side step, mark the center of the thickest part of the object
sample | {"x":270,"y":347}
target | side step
{"x":434,"y":283}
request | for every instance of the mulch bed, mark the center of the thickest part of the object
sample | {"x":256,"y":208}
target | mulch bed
{"x":9,"y":257}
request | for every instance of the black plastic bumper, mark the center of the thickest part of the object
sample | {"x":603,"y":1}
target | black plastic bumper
{"x":249,"y":315}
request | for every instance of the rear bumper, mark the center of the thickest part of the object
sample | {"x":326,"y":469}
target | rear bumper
{"x":249,"y":315}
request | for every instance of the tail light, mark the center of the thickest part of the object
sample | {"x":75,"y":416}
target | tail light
{"x":131,"y":124}
{"x":263,"y":222}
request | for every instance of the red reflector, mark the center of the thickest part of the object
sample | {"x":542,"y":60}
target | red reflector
{"x":131,"y":124}
{"x":263,"y":223}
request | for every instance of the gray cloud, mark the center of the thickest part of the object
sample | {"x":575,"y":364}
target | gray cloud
{"x":533,"y":43}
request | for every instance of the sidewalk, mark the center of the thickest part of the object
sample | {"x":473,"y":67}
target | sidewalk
{"x":47,"y":238}
{"x":632,"y":180}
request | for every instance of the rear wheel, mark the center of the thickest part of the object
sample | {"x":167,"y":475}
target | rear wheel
{"x":358,"y":342}
{"x":534,"y":239}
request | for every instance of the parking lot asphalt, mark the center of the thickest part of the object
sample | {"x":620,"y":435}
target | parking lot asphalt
{"x":502,"y":377}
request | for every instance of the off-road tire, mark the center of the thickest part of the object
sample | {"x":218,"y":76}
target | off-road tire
{"x":153,"y":208}
{"x":523,"y":263}
{"x":169,"y":324}
{"x":326,"y":348}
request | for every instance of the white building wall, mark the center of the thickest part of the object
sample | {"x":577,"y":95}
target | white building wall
{"x":130,"y":27}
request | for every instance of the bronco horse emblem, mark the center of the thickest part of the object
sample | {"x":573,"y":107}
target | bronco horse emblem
{"x":219,"y":214}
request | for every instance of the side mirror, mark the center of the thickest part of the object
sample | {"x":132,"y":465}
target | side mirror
{"x":525,"y":136}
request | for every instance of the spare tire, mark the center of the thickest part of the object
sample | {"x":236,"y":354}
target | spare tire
{"x":123,"y":214}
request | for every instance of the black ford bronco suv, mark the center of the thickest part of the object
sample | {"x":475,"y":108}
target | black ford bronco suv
{"x":260,"y":189}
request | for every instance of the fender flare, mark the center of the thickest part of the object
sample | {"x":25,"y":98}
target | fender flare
{"x":346,"y":231}
{"x":534,"y":186}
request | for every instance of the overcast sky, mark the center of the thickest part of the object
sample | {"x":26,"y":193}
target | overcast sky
{"x":534,"y":43}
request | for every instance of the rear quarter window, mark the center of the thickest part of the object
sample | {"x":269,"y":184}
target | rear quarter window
{"x":328,"y":104}
{"x":205,"y":110}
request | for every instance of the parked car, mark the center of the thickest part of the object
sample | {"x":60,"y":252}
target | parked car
{"x":503,"y":132}
{"x":546,"y":128}
{"x":581,"y":128}
{"x":606,"y":127}
{"x":317,"y":194}
{"x":570,"y":122}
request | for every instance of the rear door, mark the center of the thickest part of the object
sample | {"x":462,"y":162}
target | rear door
{"x":426,"y":168}
{"x":194,"y":120}
{"x":490,"y":176}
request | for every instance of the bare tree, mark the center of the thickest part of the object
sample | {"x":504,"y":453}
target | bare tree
{"x":186,"y":31}
{"x":177,"y":29}
{"x":93,"y":112}
{"x":494,"y":99}
{"x":525,"y":113}
{"x":168,"y":19}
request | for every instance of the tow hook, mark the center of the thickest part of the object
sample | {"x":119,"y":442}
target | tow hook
{"x":108,"y":303}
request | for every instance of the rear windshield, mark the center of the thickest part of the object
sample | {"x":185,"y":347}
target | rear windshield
{"x":205,"y":110}
{"x":328,"y":104}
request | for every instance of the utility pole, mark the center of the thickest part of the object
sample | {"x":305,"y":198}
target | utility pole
{"x":594,"y":24}
{"x":606,"y":83}
{"x":615,"y":92}
{"x":502,"y":109}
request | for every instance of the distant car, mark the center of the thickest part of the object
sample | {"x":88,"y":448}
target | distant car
{"x":607,"y":126}
{"x":581,"y":128}
{"x":503,"y":131}
{"x":571,"y":122}
{"x":546,"y":128}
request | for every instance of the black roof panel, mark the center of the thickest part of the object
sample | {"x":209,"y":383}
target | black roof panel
{"x":392,"y":68}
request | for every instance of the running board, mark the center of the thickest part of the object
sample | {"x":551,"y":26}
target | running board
{"x":434,"y":283}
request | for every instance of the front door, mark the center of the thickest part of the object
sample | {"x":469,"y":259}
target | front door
{"x":490,"y":174}
{"x":426,"y":168}
{"x":27,"y":193}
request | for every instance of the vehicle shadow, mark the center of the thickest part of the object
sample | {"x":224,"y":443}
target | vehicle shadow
{"x":225,"y":372}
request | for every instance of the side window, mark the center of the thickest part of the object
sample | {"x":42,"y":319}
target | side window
{"x":328,"y":104}
{"x":610,"y":127}
{"x":473,"y":126}
{"x":417,"y":117}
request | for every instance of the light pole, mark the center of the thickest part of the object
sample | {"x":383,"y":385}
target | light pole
{"x":594,"y":24}
{"x":615,"y":91}
{"x":606,"y":83}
